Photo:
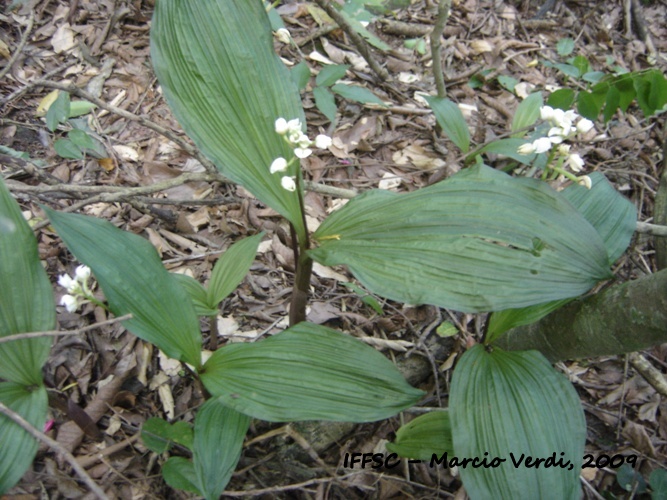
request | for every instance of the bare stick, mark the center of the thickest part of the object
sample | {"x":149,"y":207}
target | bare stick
{"x":652,"y":375}
{"x":19,"y":49}
{"x":59,"y":333}
{"x":72,"y":89}
{"x":355,"y":38}
{"x":55,"y":446}
{"x":436,"y":56}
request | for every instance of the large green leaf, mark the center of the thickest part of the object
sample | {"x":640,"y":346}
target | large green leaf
{"x":219,"y":434}
{"x":231,"y":268}
{"x":179,"y":473}
{"x":226,"y":86}
{"x":526,"y":113}
{"x":450,"y":118}
{"x":513,"y":406}
{"x":425,"y":436}
{"x":17,"y":447}
{"x":479,"y":241}
{"x":26,"y":297}
{"x":129,"y":270}
{"x":308,"y":372}
{"x":613,"y":216}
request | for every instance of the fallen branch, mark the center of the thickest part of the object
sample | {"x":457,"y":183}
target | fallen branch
{"x":55,"y":446}
{"x":19,"y":49}
{"x":74,"y":90}
{"x":624,"y":318}
{"x":60,"y":333}
{"x":356,"y":39}
{"x":436,"y":56}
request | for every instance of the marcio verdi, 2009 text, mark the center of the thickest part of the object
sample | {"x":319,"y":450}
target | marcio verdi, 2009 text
{"x":516,"y":460}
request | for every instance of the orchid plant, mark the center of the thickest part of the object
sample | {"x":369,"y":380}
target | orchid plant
{"x":438,"y":245}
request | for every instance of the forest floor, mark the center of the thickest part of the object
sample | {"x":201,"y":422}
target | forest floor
{"x":489,"y":46}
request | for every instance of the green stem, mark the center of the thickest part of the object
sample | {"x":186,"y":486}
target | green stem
{"x":213,"y":332}
{"x":303,"y":263}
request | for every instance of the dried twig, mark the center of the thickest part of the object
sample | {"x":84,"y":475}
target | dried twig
{"x":436,"y":56}
{"x":649,"y":372}
{"x":19,"y":49}
{"x":60,"y":333}
{"x":73,"y":89}
{"x":55,"y":446}
{"x":356,"y":39}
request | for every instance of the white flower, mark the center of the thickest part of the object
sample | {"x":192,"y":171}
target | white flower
{"x":575,"y":162}
{"x":526,"y":149}
{"x":82,"y":273}
{"x":281,"y":126}
{"x":564,"y":149}
{"x":67,"y":282}
{"x":585,"y":181}
{"x":322,"y":141}
{"x":302,"y":152}
{"x":278,"y":165}
{"x":556,"y":135}
{"x":283,"y":35}
{"x":288,"y":183}
{"x":70,"y":302}
{"x":542,"y":145}
{"x":294,"y":125}
{"x":546,"y":112}
{"x":584,"y":125}
{"x":304,"y":142}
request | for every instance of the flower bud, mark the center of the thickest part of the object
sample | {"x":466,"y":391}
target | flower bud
{"x":585,"y":181}
{"x":278,"y":165}
{"x":575,"y":162}
{"x":542,"y":145}
{"x":70,"y":302}
{"x":584,"y":125}
{"x":288,"y":183}
{"x":82,"y":273}
{"x":322,"y":141}
{"x":66,"y":281}
{"x":281,"y":126}
{"x":302,"y":152}
{"x":526,"y":149}
{"x":283,"y":35}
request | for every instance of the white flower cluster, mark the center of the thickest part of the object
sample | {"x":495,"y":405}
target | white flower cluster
{"x":77,"y":288}
{"x":300,"y":143}
{"x":563,"y":127}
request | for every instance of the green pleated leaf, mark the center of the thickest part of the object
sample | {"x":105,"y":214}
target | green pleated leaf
{"x":502,"y":321}
{"x":197,"y":294}
{"x":159,"y":435}
{"x":300,"y":75}
{"x":17,"y":447}
{"x":527,"y":113}
{"x":129,"y":270}
{"x":308,"y":372}
{"x":357,"y":94}
{"x":219,"y":434}
{"x":515,"y":406}
{"x":26,"y":297}
{"x":231,"y":268}
{"x":325,"y":102}
{"x":226,"y":86}
{"x":450,"y":118}
{"x":425,"y":436}
{"x":179,"y":473}
{"x":611,"y":214}
{"x":479,"y":241}
{"x":329,"y":75}
{"x":509,"y":147}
